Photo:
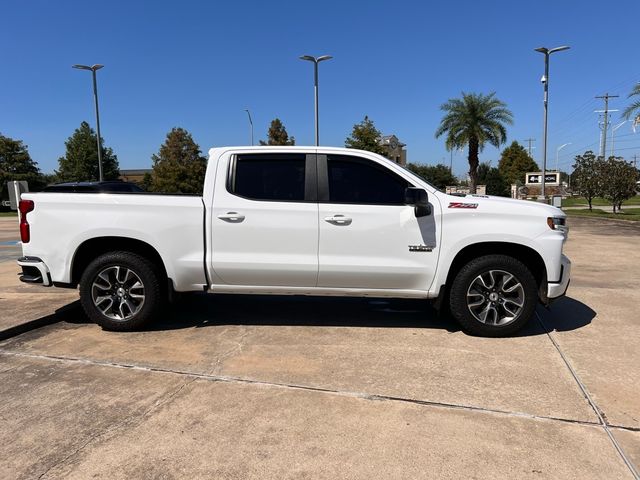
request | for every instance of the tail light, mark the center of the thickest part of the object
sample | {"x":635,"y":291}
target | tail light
{"x":25,"y":206}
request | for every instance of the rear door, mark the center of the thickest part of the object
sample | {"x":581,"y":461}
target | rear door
{"x":265,"y":220}
{"x":367,"y":232}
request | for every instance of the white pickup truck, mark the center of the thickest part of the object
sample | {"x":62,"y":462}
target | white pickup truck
{"x":299,"y":221}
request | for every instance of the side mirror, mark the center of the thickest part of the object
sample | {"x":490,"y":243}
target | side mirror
{"x":419,"y":199}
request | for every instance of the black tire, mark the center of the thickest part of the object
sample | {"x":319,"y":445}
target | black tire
{"x":467,"y":289}
{"x":136,"y":312}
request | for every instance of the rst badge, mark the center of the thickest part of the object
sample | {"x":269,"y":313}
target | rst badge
{"x":462,"y":205}
{"x":420,"y":248}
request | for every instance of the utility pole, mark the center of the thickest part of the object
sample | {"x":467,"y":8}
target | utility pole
{"x":603,"y":146}
{"x":529,"y":140}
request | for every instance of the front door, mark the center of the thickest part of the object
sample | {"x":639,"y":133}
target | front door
{"x":265,"y":220}
{"x":367,"y":232}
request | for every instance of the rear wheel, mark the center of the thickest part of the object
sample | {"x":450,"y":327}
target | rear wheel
{"x":493,"y":296}
{"x":121,"y":291}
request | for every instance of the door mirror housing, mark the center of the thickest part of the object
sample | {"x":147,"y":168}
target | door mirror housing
{"x":419,"y":199}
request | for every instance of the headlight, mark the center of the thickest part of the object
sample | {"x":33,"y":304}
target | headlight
{"x":560,"y":224}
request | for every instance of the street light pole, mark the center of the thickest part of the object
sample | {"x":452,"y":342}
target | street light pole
{"x":545,"y":80}
{"x":250,"y":124}
{"x":316,"y":61}
{"x":94,"y":69}
{"x":558,"y":152}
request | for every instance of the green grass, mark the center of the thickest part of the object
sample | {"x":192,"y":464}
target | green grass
{"x":599,"y":202}
{"x":632,"y":214}
{"x":8,"y":214}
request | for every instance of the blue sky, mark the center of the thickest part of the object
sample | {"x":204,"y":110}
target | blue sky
{"x":199,"y":64}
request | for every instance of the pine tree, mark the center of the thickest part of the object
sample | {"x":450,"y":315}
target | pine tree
{"x":80,"y":162}
{"x":179,"y":166}
{"x":515,"y":162}
{"x":17,"y":164}
{"x":277,"y":135}
{"x":365,"y":136}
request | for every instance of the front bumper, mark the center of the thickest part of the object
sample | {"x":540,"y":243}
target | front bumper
{"x":34,"y":270}
{"x":559,"y":288}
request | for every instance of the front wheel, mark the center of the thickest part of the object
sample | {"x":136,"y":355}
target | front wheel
{"x":493,"y":296}
{"x":121,"y":291}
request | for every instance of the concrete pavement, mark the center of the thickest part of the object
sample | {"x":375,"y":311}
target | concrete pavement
{"x":23,"y":306}
{"x":276,"y":387}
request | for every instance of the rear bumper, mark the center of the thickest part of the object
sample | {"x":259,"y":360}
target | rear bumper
{"x":559,"y":288}
{"x":34,"y":270}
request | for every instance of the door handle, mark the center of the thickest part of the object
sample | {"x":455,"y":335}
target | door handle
{"x":338,"y":220}
{"x":233,"y":217}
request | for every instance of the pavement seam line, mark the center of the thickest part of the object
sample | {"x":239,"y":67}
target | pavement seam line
{"x":364,"y":396}
{"x":592,"y":403}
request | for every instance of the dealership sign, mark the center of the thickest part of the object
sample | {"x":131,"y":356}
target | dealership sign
{"x":535,"y":178}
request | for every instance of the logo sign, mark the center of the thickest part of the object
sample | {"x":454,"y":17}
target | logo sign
{"x":536,"y":178}
{"x":462,"y":205}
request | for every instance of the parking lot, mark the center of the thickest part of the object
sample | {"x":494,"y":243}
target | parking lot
{"x":237,"y":386}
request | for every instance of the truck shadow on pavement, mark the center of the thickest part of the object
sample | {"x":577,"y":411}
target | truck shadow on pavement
{"x":204,"y":310}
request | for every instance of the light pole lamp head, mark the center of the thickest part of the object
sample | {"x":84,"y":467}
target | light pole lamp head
{"x":549,"y":51}
{"x":313,"y":59}
{"x":92,"y":68}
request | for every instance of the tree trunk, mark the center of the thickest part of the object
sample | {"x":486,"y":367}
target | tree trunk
{"x":473,"y":164}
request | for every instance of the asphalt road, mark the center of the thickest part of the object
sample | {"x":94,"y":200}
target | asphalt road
{"x":292,"y":387}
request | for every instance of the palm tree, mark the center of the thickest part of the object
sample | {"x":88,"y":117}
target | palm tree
{"x":634,"y":108}
{"x":474,"y":120}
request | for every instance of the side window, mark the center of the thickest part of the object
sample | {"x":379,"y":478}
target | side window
{"x":354,"y":180}
{"x":269,"y":177}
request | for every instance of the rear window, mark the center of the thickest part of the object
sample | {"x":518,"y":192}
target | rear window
{"x":269,"y":177}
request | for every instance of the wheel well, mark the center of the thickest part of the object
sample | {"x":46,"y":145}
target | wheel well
{"x":93,"y":248}
{"x":532,"y":259}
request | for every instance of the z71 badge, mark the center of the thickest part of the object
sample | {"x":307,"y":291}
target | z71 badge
{"x":462,"y":205}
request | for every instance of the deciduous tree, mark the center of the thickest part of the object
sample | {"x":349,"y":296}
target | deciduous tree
{"x":80,"y":162}
{"x":437,"y":175}
{"x":17,"y":164}
{"x":587,"y":176}
{"x":618,"y":181}
{"x":179,"y":166}
{"x":493,"y":180}
{"x":365,"y":136}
